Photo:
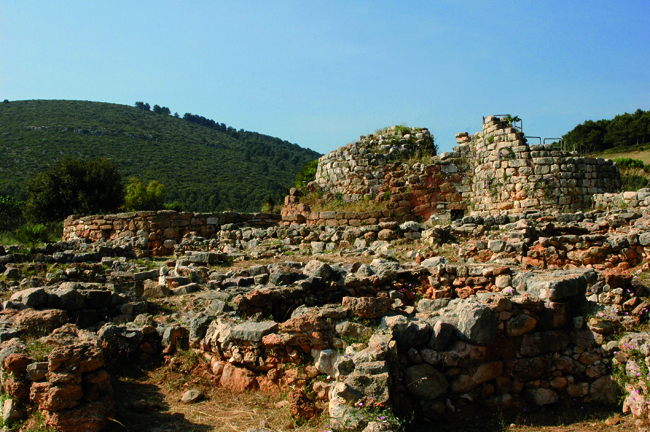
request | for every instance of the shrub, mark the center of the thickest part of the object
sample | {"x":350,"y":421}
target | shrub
{"x":403,"y":129}
{"x":74,"y":186}
{"x":633,"y":182}
{"x":32,"y":235}
{"x":307,"y":174}
{"x":139,"y":197}
{"x":629,"y":163}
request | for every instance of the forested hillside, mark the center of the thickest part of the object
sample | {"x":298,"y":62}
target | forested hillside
{"x":622,"y":131}
{"x":204,"y":165}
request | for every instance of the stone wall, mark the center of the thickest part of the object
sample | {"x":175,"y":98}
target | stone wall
{"x":510,"y":175}
{"x":623,"y":201}
{"x":491,"y":172}
{"x":358,"y":169}
{"x":160,"y":230}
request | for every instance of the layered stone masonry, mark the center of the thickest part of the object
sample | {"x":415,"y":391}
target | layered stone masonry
{"x":490,"y":332}
{"x":491,"y":172}
{"x":160,"y":230}
{"x":509,"y":175}
{"x":629,"y":200}
{"x":358,"y":170}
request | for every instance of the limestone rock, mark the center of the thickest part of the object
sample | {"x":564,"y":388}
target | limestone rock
{"x":423,"y":381}
{"x":477,"y":323}
{"x":191,"y":396}
{"x":367,"y":307}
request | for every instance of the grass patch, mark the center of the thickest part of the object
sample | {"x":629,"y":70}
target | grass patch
{"x":633,"y":179}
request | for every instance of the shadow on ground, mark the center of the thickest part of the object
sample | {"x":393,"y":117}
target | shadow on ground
{"x":128,"y":392}
{"x":575,"y":416}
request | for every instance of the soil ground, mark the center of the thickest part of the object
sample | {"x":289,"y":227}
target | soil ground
{"x":158,"y":389}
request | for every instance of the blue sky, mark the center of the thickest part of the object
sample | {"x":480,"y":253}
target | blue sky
{"x":321,"y":73}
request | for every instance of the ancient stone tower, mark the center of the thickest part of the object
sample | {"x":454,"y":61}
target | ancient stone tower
{"x":493,"y":171}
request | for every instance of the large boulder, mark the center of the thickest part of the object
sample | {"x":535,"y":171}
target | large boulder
{"x":559,"y":284}
{"x":367,"y":307}
{"x":424,"y":382}
{"x":238,"y":379}
{"x":477,"y":323}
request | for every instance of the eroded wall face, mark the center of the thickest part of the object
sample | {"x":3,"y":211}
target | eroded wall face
{"x":509,"y":175}
{"x":491,"y":172}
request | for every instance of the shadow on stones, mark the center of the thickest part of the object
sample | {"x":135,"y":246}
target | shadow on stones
{"x":476,"y":418}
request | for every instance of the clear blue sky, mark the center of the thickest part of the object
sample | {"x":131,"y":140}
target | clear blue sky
{"x":321,"y":73}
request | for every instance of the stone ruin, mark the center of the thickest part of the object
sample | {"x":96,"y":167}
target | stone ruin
{"x":489,"y":173}
{"x":361,"y":316}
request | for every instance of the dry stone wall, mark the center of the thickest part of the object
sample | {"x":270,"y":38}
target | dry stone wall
{"x":491,"y":172}
{"x":358,"y":170}
{"x":160,"y":230}
{"x":510,"y":175}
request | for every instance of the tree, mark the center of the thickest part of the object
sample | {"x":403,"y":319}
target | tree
{"x":10,"y":209}
{"x":139,"y":197}
{"x":75,"y":186}
{"x":307,"y":174}
{"x":143,"y":106}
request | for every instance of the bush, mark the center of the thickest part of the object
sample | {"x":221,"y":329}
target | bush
{"x":307,"y":174}
{"x":629,"y":163}
{"x":32,"y":235}
{"x":11,"y":212}
{"x":403,"y":129}
{"x":633,"y":182}
{"x":74,"y":186}
{"x":139,"y":197}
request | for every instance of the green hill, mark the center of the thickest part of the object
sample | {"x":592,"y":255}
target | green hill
{"x":206,"y":167}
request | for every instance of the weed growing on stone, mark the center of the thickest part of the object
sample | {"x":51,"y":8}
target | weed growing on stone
{"x":35,"y":349}
{"x":366,"y":411}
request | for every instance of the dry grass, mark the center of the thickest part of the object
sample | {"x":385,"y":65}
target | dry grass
{"x":162,"y":386}
{"x":643,"y":155}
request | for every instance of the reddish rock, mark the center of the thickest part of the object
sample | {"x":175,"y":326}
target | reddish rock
{"x":473,"y":377}
{"x":238,"y":379}
{"x":79,"y":358}
{"x":96,"y":384}
{"x":520,"y":324}
{"x":17,"y":388}
{"x":300,"y":405}
{"x":41,"y":320}
{"x":56,"y":397}
{"x":90,"y":417}
{"x":617,"y":279}
{"x":306,"y":323}
{"x":464,"y":292}
{"x":16,"y":363}
{"x":605,"y":390}
{"x":578,"y":390}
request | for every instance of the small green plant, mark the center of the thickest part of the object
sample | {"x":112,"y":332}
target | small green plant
{"x":507,"y":153}
{"x":629,"y":163}
{"x":35,"y":349}
{"x":32,"y":235}
{"x":307,"y":174}
{"x":547,"y":185}
{"x":490,"y":139}
{"x":492,"y":185}
{"x":512,"y":119}
{"x":403,"y":129}
{"x":366,"y":411}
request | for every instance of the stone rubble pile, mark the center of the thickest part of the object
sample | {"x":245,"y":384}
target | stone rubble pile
{"x":525,"y":311}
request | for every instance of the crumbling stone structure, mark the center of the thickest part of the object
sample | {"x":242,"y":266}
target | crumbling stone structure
{"x":491,"y":172}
